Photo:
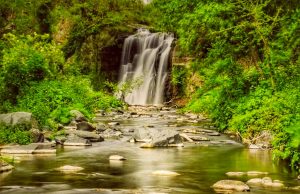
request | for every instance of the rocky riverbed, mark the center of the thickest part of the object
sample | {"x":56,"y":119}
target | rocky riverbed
{"x":144,"y":150}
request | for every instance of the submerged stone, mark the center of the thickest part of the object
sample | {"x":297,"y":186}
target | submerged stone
{"x":116,"y":157}
{"x":165,"y":173}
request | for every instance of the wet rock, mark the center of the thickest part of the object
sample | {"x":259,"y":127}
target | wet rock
{"x":113,"y":124}
{"x":37,"y":135}
{"x":214,"y":134}
{"x":69,"y":169}
{"x":85,"y":126}
{"x":266,"y":182}
{"x":186,"y":137}
{"x":254,"y":182}
{"x":20,"y":149}
{"x":163,"y":138}
{"x":100,"y":127}
{"x":199,"y":138}
{"x":78,"y":116}
{"x":256,"y":173}
{"x":116,"y":157}
{"x":111,"y":134}
{"x":74,"y":140}
{"x":235,"y":173}
{"x":232,"y":185}
{"x":60,"y":139}
{"x":194,"y":131}
{"x":4,"y":167}
{"x":253,"y":146}
{"x":93,"y":137}
{"x":165,"y":173}
{"x":147,"y":145}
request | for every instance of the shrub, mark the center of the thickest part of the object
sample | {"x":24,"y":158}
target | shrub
{"x":15,"y":134}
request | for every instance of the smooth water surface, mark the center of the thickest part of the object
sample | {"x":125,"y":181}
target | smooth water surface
{"x":199,"y":166}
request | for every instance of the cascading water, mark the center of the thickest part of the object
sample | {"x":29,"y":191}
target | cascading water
{"x":145,"y":60}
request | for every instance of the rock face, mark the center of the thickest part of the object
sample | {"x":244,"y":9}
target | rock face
{"x":231,"y":185}
{"x":85,"y":126}
{"x":16,"y":118}
{"x":157,"y":138}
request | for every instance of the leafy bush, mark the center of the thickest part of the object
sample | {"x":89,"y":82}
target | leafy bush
{"x":15,"y":134}
{"x":248,"y":54}
{"x":51,"y":101}
{"x":25,"y":59}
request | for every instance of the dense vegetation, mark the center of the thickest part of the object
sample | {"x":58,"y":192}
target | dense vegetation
{"x":247,"y":54}
{"x":50,"y":57}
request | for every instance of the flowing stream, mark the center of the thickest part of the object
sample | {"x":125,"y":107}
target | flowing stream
{"x":144,"y":65}
{"x":200,"y":165}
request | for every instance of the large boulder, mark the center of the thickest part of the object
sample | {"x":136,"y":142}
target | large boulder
{"x":17,"y":118}
{"x":78,"y":116}
{"x":157,"y":137}
{"x":74,"y":140}
{"x":93,"y":137}
{"x":230,"y":185}
{"x":85,"y":126}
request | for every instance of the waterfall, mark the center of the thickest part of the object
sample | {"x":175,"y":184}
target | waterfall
{"x":144,"y":67}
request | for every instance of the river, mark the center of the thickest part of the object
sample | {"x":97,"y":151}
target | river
{"x":199,"y":165}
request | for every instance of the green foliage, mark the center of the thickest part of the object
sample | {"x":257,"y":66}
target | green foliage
{"x":51,"y":101}
{"x":25,"y":59}
{"x":247,"y":52}
{"x":15,"y":134}
{"x":179,"y":76}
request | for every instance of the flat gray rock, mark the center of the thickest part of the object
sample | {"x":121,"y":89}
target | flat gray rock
{"x":22,"y":149}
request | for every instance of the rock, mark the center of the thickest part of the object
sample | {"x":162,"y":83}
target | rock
{"x":91,"y":136}
{"x":298,"y":177}
{"x":266,"y":182}
{"x":78,"y":116}
{"x":253,"y":146}
{"x":111,"y":134}
{"x":256,"y":173}
{"x":100,"y":127}
{"x":147,"y":145}
{"x":185,"y":136}
{"x":18,"y":118}
{"x":199,"y":138}
{"x":85,"y":126}
{"x":116,"y":157}
{"x":60,"y":139}
{"x":165,"y":173}
{"x":36,"y":135}
{"x":231,"y":185}
{"x":254,"y":182}
{"x":19,"y":149}
{"x":69,"y":169}
{"x":163,"y":138}
{"x":214,"y":134}
{"x":142,"y":135}
{"x":5,"y":166}
{"x":235,"y":173}
{"x":113,"y":124}
{"x":194,"y":131}
{"x":5,"y":118}
{"x":74,"y":140}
